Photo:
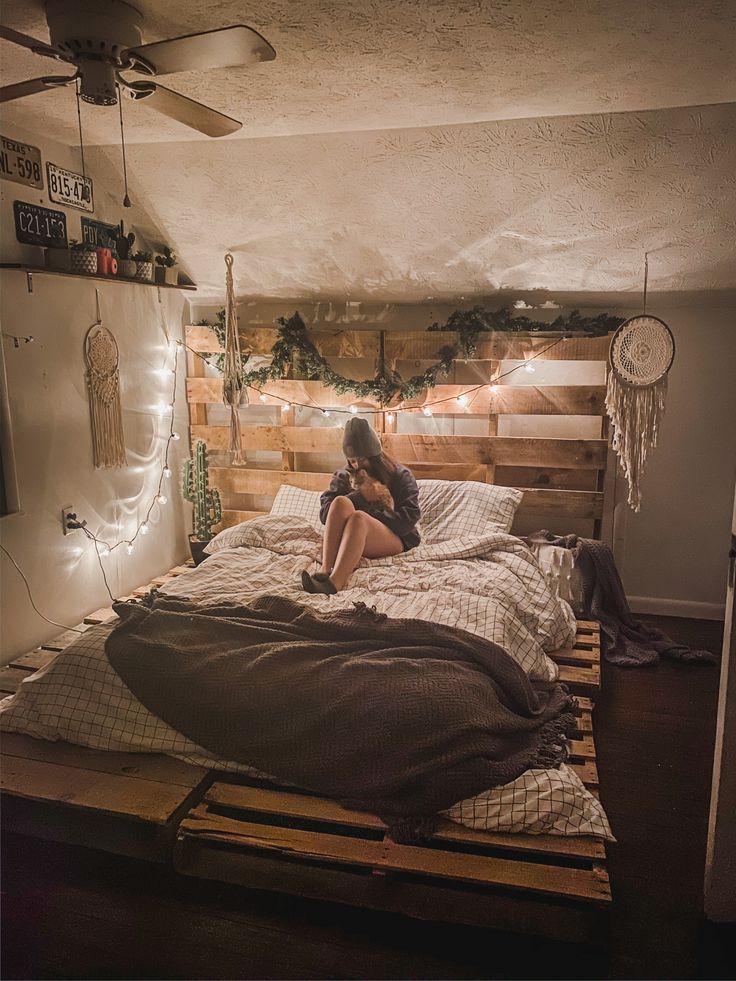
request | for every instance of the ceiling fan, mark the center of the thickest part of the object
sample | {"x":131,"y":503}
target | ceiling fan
{"x":102,"y":40}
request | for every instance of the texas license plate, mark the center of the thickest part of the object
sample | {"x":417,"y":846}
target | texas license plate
{"x":66,"y":187}
{"x":20,"y":162}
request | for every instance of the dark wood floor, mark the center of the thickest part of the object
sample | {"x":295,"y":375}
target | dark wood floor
{"x":73,"y":913}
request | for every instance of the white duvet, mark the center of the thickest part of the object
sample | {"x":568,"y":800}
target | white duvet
{"x":490,"y":585}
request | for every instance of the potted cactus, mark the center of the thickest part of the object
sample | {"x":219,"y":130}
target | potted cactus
{"x":204,"y":500}
{"x":166,"y":271}
{"x":123,"y":245}
{"x":143,"y":265}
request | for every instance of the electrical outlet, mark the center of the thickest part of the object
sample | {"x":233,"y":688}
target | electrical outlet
{"x":68,"y":514}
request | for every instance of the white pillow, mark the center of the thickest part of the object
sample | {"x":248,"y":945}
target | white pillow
{"x":301,"y":503}
{"x":455,"y":508}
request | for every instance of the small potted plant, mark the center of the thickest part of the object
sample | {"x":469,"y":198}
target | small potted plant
{"x":204,"y":500}
{"x":166,"y":271}
{"x":143,"y":265}
{"x":127,"y":267}
{"x":83,"y":258}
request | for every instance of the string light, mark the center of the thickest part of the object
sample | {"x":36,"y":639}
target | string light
{"x":129,"y":548}
{"x":326,"y":412}
{"x":175,"y":436}
{"x":143,"y":530}
{"x":390,"y":417}
{"x":529,"y":368}
{"x":167,"y":472}
{"x":462,"y":400}
{"x":426,"y":409}
{"x":162,"y":499}
{"x":263,"y":397}
{"x":286,"y":406}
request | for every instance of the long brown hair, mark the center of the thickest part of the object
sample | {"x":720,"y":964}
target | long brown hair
{"x":382,"y":468}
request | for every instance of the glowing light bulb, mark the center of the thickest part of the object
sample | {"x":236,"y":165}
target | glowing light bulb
{"x":162,"y":499}
{"x":390,"y":417}
{"x":161,"y":408}
{"x":529,"y":368}
{"x":462,"y":400}
{"x":286,"y":406}
{"x":129,"y":548}
{"x":327,"y":412}
{"x":175,"y":436}
{"x":426,"y":410}
{"x":493,"y":388}
{"x":144,"y":528}
{"x":167,"y":473}
{"x":263,"y":397}
{"x":354,"y":409}
{"x":105,"y":550}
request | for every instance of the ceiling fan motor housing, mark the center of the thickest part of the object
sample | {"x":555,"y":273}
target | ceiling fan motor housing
{"x":93,"y":34}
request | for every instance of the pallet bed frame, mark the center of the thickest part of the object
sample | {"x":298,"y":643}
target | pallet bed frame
{"x":217,"y":826}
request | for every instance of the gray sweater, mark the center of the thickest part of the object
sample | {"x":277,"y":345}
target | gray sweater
{"x":403,"y":487}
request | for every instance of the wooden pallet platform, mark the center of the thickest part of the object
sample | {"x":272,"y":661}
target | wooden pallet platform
{"x":580,"y":665}
{"x":218,"y":827}
{"x":303,"y":845}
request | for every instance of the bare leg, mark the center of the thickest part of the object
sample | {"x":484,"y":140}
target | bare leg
{"x":363,"y":535}
{"x":340,"y":511}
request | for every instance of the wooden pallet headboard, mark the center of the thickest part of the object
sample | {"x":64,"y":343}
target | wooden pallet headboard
{"x":564,"y":479}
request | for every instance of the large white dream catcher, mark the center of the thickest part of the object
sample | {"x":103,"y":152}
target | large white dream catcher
{"x":103,"y":388}
{"x":641,"y":354}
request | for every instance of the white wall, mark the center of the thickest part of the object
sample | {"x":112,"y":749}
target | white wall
{"x":51,"y":430}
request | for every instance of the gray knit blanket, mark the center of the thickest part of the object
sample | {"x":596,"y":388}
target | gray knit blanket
{"x":399,"y":717}
{"x":625,"y":640}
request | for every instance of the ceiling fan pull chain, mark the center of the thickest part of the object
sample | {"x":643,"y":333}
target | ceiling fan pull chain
{"x":79,"y":118}
{"x":126,"y":199}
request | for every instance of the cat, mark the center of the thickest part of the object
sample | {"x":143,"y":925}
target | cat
{"x":360,"y":477}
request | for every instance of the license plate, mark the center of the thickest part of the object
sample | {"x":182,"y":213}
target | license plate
{"x":20,"y":162}
{"x":35,"y":225}
{"x":66,"y":187}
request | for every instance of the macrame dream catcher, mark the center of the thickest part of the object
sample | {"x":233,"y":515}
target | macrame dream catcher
{"x":103,"y":389}
{"x":234,"y":392}
{"x":641,"y":354}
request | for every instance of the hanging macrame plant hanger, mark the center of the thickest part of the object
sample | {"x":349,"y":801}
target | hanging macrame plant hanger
{"x":103,"y":388}
{"x":235,"y":393}
{"x":640,"y":357}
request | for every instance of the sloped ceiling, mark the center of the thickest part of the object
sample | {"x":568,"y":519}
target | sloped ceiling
{"x":425,"y":149}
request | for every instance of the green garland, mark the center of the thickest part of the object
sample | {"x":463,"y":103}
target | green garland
{"x":294,"y":344}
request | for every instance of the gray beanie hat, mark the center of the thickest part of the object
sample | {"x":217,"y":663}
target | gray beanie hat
{"x":360,"y":439}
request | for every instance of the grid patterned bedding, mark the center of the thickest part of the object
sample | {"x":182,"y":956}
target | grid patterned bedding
{"x":490,"y":585}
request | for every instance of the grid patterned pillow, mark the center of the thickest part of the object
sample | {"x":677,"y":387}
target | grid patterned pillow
{"x":298,"y":502}
{"x":453,"y":509}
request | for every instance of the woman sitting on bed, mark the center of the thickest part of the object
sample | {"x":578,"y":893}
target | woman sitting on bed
{"x":371,"y":509}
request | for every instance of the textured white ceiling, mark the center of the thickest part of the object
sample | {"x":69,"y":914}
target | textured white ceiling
{"x":415,"y":149}
{"x":566,"y":203}
{"x":346,"y":65}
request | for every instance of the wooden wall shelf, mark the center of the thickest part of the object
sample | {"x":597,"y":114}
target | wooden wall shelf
{"x":105,"y":279}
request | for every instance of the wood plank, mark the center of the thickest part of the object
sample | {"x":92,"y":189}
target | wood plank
{"x":411,"y":345}
{"x":102,"y":615}
{"x":116,"y":794}
{"x":61,"y":642}
{"x":145,"y":766}
{"x":11,"y":679}
{"x":584,"y":678}
{"x":557,"y":478}
{"x":588,"y":772}
{"x":583,"y":748}
{"x":503,"y":910}
{"x":508,"y":399}
{"x":570,"y":655}
{"x":35,"y":659}
{"x":409,"y":449}
{"x":294,"y":805}
{"x":386,"y":855}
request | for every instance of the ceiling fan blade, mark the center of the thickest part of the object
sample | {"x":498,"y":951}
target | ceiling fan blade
{"x":40,"y":47}
{"x":238,"y":45}
{"x":177,"y":106}
{"x":32,"y":86}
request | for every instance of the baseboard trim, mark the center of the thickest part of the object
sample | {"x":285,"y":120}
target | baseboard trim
{"x":661,"y":607}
